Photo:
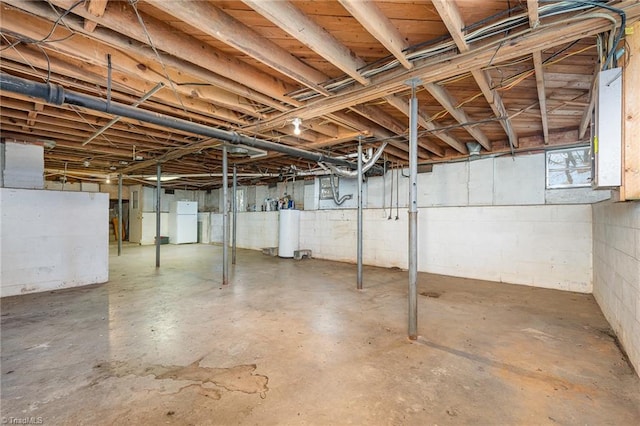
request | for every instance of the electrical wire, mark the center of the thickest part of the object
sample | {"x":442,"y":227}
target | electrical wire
{"x":45,"y":39}
{"x":133,"y":4}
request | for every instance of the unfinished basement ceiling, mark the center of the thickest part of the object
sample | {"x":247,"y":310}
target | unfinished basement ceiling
{"x":510,"y":75}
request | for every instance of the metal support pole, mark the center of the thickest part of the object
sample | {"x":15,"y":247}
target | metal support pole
{"x":225,"y":217}
{"x":119,"y":233}
{"x":158,"y":190}
{"x":413,"y":214}
{"x":234,"y":202}
{"x":359,"y":282}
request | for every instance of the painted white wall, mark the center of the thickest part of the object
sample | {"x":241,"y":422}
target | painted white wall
{"x":149,"y":227}
{"x":59,"y":186}
{"x":204,"y":227}
{"x":52,"y":240}
{"x":257,"y":230}
{"x":542,"y":246}
{"x":616,"y":271}
{"x":22,"y":165}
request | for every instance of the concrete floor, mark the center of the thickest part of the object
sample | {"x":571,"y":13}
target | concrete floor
{"x":293,"y":342}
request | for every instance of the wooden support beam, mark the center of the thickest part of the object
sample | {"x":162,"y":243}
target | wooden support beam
{"x":96,"y":8}
{"x":441,"y":68}
{"x":452,"y":19}
{"x":534,"y":21}
{"x":95,"y":53}
{"x":299,"y":26}
{"x":289,"y":18}
{"x":216,"y":23}
{"x":121,"y":79}
{"x":119,"y":17}
{"x":369,"y":15}
{"x":630,"y":189}
{"x":426,"y":122}
{"x":532,"y":9}
{"x":588,"y":111}
{"x":445,"y":99}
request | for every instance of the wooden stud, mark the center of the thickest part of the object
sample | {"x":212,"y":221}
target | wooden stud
{"x":630,"y":189}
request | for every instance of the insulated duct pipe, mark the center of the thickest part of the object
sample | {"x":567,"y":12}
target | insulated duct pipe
{"x":57,"y":95}
{"x":367,"y":166}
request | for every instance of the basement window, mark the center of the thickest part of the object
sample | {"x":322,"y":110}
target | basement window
{"x":569,"y":168}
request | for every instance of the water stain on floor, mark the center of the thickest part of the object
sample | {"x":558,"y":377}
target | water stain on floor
{"x":239,"y":378}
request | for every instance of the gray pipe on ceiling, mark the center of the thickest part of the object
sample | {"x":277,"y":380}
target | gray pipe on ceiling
{"x":57,"y":95}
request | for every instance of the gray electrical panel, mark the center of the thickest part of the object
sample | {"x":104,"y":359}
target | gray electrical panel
{"x":607,"y":138}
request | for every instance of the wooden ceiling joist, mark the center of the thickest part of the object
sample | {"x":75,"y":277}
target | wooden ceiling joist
{"x":342,"y":68}
{"x":451,"y":18}
{"x":378,"y":25}
{"x":534,"y":21}
{"x":96,"y":8}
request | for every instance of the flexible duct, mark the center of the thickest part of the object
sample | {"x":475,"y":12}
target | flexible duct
{"x":368,"y":164}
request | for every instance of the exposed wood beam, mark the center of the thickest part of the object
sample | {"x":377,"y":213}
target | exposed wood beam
{"x":96,"y":8}
{"x":359,"y":123}
{"x":96,"y":53}
{"x":385,"y":120}
{"x":452,"y":19}
{"x":124,"y":43}
{"x":177,"y":62}
{"x":224,"y":27}
{"x":542,"y":95}
{"x":292,"y":20}
{"x":445,"y":99}
{"x":124,"y":77}
{"x":120,"y":18}
{"x":427,"y":123}
{"x":534,"y":21}
{"x":630,"y":189}
{"x":441,"y":68}
{"x":588,"y":111}
{"x":534,"y":17}
{"x":369,"y":15}
{"x":299,"y":26}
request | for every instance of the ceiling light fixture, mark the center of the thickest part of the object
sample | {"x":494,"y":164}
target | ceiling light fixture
{"x":296,"y":126}
{"x":108,"y":179}
{"x":162,"y":178}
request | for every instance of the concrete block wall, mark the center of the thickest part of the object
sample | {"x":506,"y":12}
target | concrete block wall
{"x":256,"y":230}
{"x":542,"y":246}
{"x":616,"y":271}
{"x":22,"y":165}
{"x":52,"y":240}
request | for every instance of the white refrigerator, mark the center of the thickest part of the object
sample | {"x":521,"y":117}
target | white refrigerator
{"x":183,"y":222}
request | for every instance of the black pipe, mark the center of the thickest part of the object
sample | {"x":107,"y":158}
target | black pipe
{"x":55,"y":94}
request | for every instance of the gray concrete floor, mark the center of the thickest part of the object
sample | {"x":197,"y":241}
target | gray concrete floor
{"x":293,"y":342}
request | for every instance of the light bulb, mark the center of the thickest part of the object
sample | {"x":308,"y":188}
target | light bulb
{"x":108,"y":179}
{"x":296,"y":126}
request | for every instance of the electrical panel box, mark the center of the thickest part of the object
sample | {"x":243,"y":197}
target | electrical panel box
{"x":606,"y":143}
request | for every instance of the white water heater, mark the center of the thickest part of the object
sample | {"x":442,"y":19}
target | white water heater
{"x":289,"y":235}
